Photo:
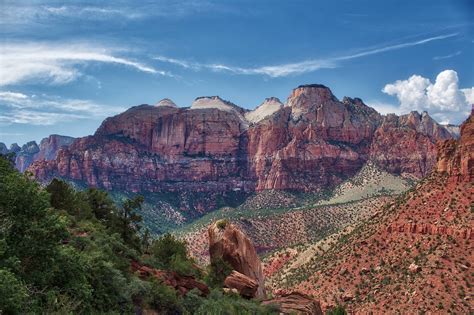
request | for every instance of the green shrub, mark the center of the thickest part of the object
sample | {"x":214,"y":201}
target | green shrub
{"x":221,"y":224}
{"x":13,"y":294}
{"x":338,"y":310}
{"x":217,"y":271}
{"x":163,"y":299}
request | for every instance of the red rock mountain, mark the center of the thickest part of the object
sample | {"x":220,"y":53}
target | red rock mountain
{"x":31,"y":152}
{"x":214,"y":146}
{"x":414,"y":255}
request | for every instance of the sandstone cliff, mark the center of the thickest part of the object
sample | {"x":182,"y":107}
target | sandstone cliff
{"x":31,"y":152}
{"x":215,"y":147}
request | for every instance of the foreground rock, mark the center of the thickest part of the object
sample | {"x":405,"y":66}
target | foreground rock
{"x":296,"y":303}
{"x":182,"y":284}
{"x":229,"y":243}
{"x":245,"y":286}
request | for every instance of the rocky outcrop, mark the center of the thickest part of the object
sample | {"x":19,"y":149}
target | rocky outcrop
{"x":215,"y":147}
{"x":314,"y":141}
{"x":49,"y":147}
{"x":182,"y":284}
{"x":31,"y":152}
{"x":229,"y":243}
{"x":245,"y":286}
{"x":166,"y":102}
{"x":26,"y":155}
{"x":407,"y":144}
{"x":270,"y":106}
{"x":296,"y":303}
{"x":456,"y":158}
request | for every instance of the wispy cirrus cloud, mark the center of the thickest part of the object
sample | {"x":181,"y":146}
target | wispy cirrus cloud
{"x":58,"y":63}
{"x":16,"y":107}
{"x":303,"y":66}
{"x":23,"y":13}
{"x":457,"y":53}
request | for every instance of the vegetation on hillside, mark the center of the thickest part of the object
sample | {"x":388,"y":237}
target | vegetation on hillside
{"x":69,"y":252}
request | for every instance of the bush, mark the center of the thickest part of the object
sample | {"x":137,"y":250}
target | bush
{"x":221,"y":224}
{"x":13,"y":293}
{"x":217,"y":271}
{"x":218,"y":303}
{"x":338,"y":310}
{"x":170,"y":253}
{"x":163,"y":299}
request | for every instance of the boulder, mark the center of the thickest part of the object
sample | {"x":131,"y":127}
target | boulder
{"x":245,"y":286}
{"x":227,"y":242}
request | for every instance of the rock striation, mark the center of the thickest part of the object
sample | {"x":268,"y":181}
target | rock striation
{"x":314,"y":141}
{"x":456,"y":158}
{"x":407,"y":144}
{"x":296,"y":303}
{"x":227,"y":242}
{"x":245,"y":286}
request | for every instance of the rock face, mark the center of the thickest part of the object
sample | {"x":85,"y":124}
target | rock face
{"x":245,"y":286}
{"x":229,"y":243}
{"x":216,"y":147}
{"x":166,"y":102}
{"x":456,"y":158}
{"x":49,"y":147}
{"x":31,"y":152}
{"x":26,"y":155}
{"x":407,"y":144}
{"x":296,"y":303}
{"x":267,"y":108}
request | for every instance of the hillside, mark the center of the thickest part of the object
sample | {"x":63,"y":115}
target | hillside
{"x":414,"y":254}
{"x":274,"y":220}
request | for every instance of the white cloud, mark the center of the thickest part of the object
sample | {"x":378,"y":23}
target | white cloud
{"x":457,"y":53}
{"x":299,"y":67}
{"x":442,"y":99}
{"x":48,"y":110}
{"x":56,"y":63}
{"x":469,"y":93}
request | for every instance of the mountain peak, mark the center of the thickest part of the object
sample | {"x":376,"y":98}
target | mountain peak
{"x":166,"y":102}
{"x":267,"y":108}
{"x":206,"y":102}
{"x":313,"y":85}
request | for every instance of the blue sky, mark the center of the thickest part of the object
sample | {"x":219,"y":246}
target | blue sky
{"x":66,"y":65}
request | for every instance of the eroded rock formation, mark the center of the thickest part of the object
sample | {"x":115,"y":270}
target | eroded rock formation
{"x":457,"y":157}
{"x":227,"y":242}
{"x":245,"y":286}
{"x":296,"y":303}
{"x":31,"y":152}
{"x":216,"y":147}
